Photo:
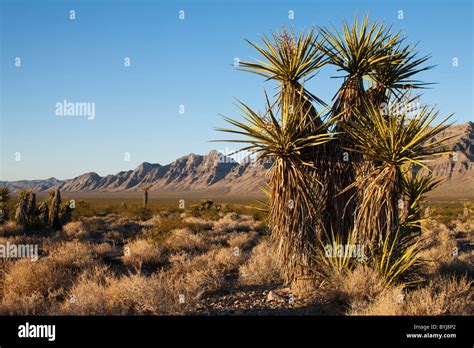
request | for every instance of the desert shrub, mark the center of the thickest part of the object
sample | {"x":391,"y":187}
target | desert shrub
{"x":94,"y":224}
{"x":48,"y":276}
{"x":261,"y":268}
{"x":234,"y":222}
{"x":206,"y":272}
{"x":185,"y":239}
{"x":242,"y":240}
{"x":142,"y":253}
{"x":31,"y":304}
{"x":442,"y":296}
{"x":439,"y":246}
{"x":10,"y":228}
{"x":197,"y":227}
{"x":98,"y":292}
{"x":388,"y":302}
{"x":362,"y":284}
{"x":172,"y":291}
{"x":162,"y":230}
{"x":462,"y":265}
{"x":103,"y":249}
{"x":76,"y":230}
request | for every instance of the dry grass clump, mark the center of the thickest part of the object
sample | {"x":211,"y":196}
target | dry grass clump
{"x":10,"y":228}
{"x":141,"y":253}
{"x":32,"y":304}
{"x":440,"y":246}
{"x":448,"y":249}
{"x":261,"y":267}
{"x":197,"y":225}
{"x":441,"y":296}
{"x":98,"y":292}
{"x":30,"y":283}
{"x":242,"y":240}
{"x":103,"y":249}
{"x":170,"y":291}
{"x":76,"y":230}
{"x":206,"y":273}
{"x":185,"y":239}
{"x":127,"y":228}
{"x":388,"y":302}
{"x":235,"y":222}
{"x":352,"y":288}
{"x":460,"y":265}
{"x":154,"y":220}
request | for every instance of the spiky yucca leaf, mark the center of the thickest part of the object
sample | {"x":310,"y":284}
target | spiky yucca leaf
{"x":393,"y":76}
{"x":329,"y":261}
{"x":394,"y":258}
{"x":415,"y":188}
{"x":359,"y":47}
{"x":289,"y":59}
{"x":397,"y":139}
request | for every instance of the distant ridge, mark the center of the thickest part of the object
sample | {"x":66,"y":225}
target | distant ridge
{"x":188,"y":173}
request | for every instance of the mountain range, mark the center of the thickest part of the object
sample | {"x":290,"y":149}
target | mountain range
{"x":218,"y":173}
{"x":213,"y":171}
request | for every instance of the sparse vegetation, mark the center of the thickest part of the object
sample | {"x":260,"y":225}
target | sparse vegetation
{"x":83,"y":270}
{"x":347,"y":176}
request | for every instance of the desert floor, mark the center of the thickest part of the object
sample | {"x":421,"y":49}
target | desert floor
{"x":114,"y":258}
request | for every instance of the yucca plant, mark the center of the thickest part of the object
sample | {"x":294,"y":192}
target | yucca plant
{"x":21,"y":217}
{"x":31,"y":213}
{"x":4,"y":199}
{"x":394,"y":143}
{"x":360,"y":193}
{"x":393,"y":76}
{"x":145,"y":189}
{"x":290,"y":60}
{"x":284,"y":134}
{"x":55,"y":207}
{"x":43,"y":214}
{"x":358,"y":50}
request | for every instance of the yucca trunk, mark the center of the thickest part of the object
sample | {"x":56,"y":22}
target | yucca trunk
{"x":21,"y":216}
{"x":43,"y":216}
{"x":343,"y":166}
{"x":54,"y":220}
{"x":4,"y":198}
{"x":145,"y":199}
{"x":293,"y":223}
{"x":31,"y":209}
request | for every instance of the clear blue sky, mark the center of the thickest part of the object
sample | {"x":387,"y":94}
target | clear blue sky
{"x":176,"y":62}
